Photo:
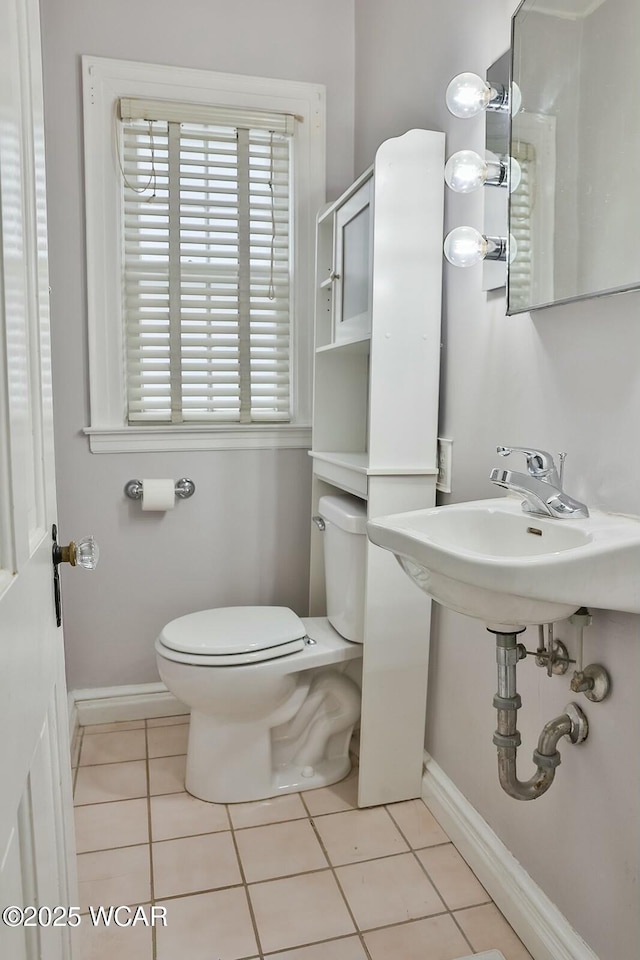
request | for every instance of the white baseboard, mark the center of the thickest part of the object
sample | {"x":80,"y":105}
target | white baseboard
{"x":543,"y":929}
{"x":143,"y":701}
{"x":74,"y":722}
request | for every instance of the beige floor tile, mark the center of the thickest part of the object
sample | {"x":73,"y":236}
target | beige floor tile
{"x":111,"y":781}
{"x":485,"y":927}
{"x":339,"y":796}
{"x":194,"y":864}
{"x":181,"y":815}
{"x":391,"y":890}
{"x":166,"y":775}
{"x":258,"y":812}
{"x":114,"y":877}
{"x":437,"y":938}
{"x":299,"y":911}
{"x":103,"y":825}
{"x":168,"y":721}
{"x":417,"y":823}
{"x":453,"y":879}
{"x":278,"y":850}
{"x":169,"y":741}
{"x":117,"y":727}
{"x":105,"y":943}
{"x":347,"y":948}
{"x":113,"y":747}
{"x":359,"y":835}
{"x":210,"y":926}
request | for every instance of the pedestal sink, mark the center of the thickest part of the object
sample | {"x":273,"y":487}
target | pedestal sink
{"x":489,"y":560}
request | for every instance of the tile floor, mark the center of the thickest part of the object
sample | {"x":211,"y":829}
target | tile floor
{"x":301,"y":877}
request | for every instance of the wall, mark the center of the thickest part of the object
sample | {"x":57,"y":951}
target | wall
{"x":565,"y":378}
{"x":243,"y":538}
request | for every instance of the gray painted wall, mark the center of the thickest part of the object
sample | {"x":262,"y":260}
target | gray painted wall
{"x":244,"y":537}
{"x":566,"y":378}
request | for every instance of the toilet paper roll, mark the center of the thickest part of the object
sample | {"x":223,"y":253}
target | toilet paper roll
{"x":158,"y":494}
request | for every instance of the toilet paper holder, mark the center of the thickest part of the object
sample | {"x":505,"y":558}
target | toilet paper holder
{"x":184,"y":489}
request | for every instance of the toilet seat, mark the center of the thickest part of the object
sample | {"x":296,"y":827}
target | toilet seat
{"x":232,"y":636}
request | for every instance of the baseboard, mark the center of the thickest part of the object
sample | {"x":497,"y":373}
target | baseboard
{"x":543,"y":929}
{"x":74,"y":722}
{"x":143,"y":701}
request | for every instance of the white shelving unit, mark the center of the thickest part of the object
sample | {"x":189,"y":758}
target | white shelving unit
{"x":376,"y":382}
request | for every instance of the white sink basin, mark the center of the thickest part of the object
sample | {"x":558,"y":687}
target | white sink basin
{"x":489,"y":560}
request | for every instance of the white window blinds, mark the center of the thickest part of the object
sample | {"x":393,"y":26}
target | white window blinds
{"x":207,"y":262}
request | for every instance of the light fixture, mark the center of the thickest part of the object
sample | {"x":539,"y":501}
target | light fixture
{"x":465,"y":246}
{"x":468,"y":95}
{"x":465,"y":171}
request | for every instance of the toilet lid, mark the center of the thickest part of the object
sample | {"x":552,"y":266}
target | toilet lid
{"x":228,"y":633}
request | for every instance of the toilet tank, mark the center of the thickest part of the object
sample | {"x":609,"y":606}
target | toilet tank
{"x":345,"y":546}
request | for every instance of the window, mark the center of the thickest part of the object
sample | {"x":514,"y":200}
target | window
{"x":200,"y":218}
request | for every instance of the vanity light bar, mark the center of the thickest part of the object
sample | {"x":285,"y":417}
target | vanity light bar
{"x":468,"y":95}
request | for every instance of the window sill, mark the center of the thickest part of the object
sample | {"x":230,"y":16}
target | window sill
{"x":175,"y":439}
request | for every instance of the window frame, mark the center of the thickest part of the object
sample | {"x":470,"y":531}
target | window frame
{"x":104,"y":82}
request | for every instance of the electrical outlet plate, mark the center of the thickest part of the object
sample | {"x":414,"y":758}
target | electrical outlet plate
{"x":445,"y":450}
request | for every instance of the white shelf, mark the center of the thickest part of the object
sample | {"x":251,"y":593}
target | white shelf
{"x":359,"y":463}
{"x":361,"y":345}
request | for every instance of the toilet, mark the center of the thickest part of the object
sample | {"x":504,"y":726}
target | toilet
{"x":272,"y":706}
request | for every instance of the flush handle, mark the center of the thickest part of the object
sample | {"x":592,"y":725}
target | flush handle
{"x":84,"y":554}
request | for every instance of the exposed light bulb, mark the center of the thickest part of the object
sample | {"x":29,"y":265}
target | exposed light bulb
{"x":516,"y":99}
{"x":467,"y":95}
{"x":515,"y":174}
{"x":466,"y":171}
{"x":466,"y":246}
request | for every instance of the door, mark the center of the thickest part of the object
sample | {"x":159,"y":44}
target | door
{"x":36,"y":838}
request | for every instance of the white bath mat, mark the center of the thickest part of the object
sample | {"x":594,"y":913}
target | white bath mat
{"x":489,"y":955}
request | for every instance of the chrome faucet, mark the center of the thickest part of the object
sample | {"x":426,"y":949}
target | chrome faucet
{"x":541,"y":486}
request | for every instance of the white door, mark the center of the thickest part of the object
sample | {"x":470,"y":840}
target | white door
{"x":36,"y":838}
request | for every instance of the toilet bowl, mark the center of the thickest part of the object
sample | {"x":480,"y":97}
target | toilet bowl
{"x":272,"y":710}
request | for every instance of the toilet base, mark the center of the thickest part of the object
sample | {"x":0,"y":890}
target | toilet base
{"x":290,"y":780}
{"x":302,"y":746}
{"x":326,"y":772}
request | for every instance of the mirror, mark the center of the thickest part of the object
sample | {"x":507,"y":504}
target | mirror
{"x":575,"y":215}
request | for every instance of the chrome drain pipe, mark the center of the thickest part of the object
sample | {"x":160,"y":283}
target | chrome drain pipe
{"x":572,"y":724}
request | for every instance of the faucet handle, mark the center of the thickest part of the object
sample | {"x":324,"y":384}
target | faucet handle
{"x":539,"y":463}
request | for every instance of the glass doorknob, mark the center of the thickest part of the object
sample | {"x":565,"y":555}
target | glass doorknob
{"x":84,"y":553}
